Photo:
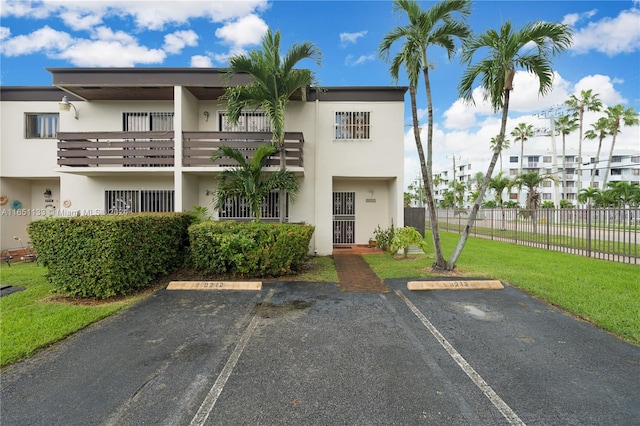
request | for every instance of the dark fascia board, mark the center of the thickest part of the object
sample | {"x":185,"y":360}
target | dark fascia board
{"x":358,"y":93}
{"x":140,"y":77}
{"x":33,"y":94}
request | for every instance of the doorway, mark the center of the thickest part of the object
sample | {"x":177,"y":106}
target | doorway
{"x":344,"y":217}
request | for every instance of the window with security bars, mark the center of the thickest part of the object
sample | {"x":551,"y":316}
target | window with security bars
{"x":256,"y":121}
{"x":237,"y":208}
{"x":145,"y":122}
{"x":123,"y":201}
{"x":41,"y":125}
{"x":353,"y":125}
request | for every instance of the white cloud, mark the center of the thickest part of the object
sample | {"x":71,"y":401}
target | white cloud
{"x":524,"y":98}
{"x":468,"y":129}
{"x":200,"y":61}
{"x":245,"y":31}
{"x":110,"y":53}
{"x":610,"y":36}
{"x":603,"y":86}
{"x":45,"y":40}
{"x":351,"y":61}
{"x":78,"y":20}
{"x":4,"y":33}
{"x":573,"y":18}
{"x":175,"y":42}
{"x":346,"y":38}
{"x":151,"y":15}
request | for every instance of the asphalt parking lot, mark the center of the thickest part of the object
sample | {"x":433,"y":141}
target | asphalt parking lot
{"x":309,"y":353}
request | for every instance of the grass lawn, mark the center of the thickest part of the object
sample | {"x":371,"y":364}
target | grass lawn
{"x":605,"y":293}
{"x":32,"y":318}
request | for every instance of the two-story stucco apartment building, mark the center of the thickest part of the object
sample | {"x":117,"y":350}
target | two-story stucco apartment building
{"x":140,"y":139}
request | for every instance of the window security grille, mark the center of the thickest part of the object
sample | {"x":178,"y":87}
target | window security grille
{"x":237,"y":208}
{"x":256,"y":121}
{"x":353,"y":125}
{"x":41,"y":126}
{"x":145,"y":122}
{"x":136,"y":201}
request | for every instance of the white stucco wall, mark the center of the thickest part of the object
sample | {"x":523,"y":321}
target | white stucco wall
{"x":329,"y":165}
{"x":360,"y":165}
{"x":22,"y":157}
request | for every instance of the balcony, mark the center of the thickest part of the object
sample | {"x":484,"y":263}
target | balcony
{"x":116,"y":149}
{"x":199,"y":146}
{"x":157,"y":149}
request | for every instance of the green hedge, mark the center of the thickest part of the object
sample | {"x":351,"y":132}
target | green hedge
{"x":249,"y":249}
{"x":103,"y":256}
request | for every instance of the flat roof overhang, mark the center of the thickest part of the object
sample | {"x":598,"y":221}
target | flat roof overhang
{"x":204,"y":83}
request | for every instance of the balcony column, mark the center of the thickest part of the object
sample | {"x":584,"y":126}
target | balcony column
{"x":177,"y":165}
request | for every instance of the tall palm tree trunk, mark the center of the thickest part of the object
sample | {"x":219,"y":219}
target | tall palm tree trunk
{"x":440,"y":262}
{"x":580,"y":118}
{"x":451,"y":263}
{"x":564,"y":169}
{"x":595,"y":163}
{"x":608,"y":170}
{"x":282,"y":194}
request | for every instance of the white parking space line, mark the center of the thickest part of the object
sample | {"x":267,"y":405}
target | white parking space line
{"x":506,"y":411}
{"x":212,"y":397}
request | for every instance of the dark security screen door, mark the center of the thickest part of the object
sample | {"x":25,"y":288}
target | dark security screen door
{"x":344,"y":217}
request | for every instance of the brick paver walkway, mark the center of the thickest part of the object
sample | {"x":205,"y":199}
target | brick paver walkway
{"x":354,"y":273}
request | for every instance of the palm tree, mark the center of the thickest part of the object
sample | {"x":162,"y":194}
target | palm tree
{"x":587,"y":101}
{"x":624,"y":193}
{"x":522,"y":132}
{"x":531,"y":49}
{"x":434,"y":27}
{"x":599,"y":130}
{"x":247,"y":180}
{"x":565,"y":124}
{"x":499,"y":183}
{"x":274,"y":81}
{"x":618,"y":116}
{"x":588,"y":195}
{"x":458,"y":188}
{"x":503,"y":146}
{"x":531,"y":181}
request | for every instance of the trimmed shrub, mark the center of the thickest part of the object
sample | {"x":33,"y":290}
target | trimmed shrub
{"x":249,"y":249}
{"x":104,"y":256}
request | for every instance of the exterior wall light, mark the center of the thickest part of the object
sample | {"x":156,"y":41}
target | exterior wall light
{"x":47,"y":193}
{"x":65,"y":105}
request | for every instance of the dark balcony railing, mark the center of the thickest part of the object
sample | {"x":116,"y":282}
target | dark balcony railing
{"x":157,"y":149}
{"x":112,"y":149}
{"x":198,"y":147}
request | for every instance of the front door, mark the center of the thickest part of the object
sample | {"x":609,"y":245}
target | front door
{"x":344,"y":217}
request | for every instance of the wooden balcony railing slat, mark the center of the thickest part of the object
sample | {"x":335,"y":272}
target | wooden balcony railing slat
{"x":94,"y":149}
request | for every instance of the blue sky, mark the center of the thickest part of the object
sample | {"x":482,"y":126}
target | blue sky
{"x":605,"y":55}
